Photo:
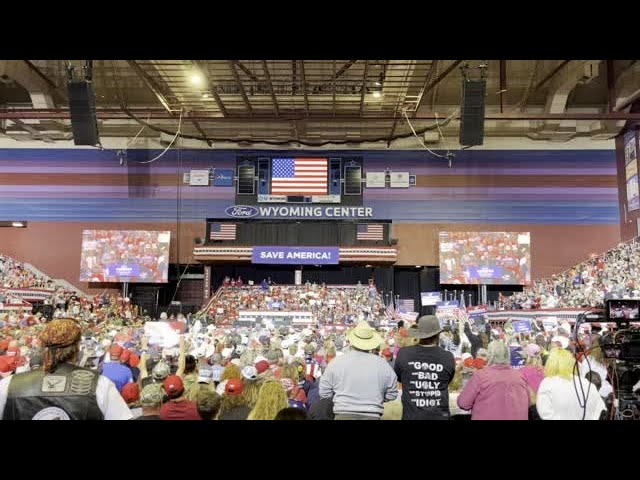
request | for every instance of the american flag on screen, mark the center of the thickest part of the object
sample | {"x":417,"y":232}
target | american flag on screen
{"x":223,"y":231}
{"x":406,"y":305}
{"x":370,"y":231}
{"x":299,"y":176}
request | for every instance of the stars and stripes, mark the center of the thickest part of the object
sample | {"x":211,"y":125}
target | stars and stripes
{"x":223,"y":231}
{"x":406,"y":304}
{"x":370,"y":231}
{"x":299,"y":176}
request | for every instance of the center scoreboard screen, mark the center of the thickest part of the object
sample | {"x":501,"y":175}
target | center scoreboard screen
{"x":282,"y":179}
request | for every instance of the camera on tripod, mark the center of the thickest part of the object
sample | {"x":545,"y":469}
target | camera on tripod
{"x":622,"y":348}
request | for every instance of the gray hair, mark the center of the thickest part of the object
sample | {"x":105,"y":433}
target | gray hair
{"x":499,"y":353}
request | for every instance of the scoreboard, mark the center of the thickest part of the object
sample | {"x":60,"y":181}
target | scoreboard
{"x":299,"y":179}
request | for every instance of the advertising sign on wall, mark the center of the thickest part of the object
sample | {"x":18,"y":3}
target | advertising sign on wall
{"x":631,"y":170}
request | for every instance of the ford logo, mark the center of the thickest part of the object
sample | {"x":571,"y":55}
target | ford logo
{"x":241,"y":211}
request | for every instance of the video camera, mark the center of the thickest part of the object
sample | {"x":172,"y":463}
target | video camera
{"x":624,"y":343}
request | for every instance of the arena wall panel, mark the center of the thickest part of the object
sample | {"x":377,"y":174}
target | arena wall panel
{"x":568,"y":199}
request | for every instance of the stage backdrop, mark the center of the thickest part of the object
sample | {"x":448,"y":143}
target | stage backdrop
{"x":567,"y":199}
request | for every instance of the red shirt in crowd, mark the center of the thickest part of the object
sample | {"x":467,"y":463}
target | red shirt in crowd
{"x":179,"y":410}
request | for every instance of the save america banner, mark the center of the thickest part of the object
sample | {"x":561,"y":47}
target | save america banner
{"x":296,"y":255}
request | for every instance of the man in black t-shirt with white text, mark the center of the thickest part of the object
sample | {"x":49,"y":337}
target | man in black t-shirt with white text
{"x":425,"y":371}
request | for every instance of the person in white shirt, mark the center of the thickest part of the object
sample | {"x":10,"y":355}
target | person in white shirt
{"x":561,"y":397}
{"x":595,"y":362}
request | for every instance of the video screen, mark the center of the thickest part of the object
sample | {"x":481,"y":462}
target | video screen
{"x":136,"y":256}
{"x":491,"y":258}
{"x":430,"y":299}
{"x":623,"y":310}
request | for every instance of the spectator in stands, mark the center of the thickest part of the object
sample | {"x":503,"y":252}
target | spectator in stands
{"x":44,"y":393}
{"x":496,"y":392}
{"x":596,"y":362}
{"x":233,"y":406}
{"x":271,"y":399}
{"x":208,"y":403}
{"x":131,"y":395}
{"x":151,"y":402}
{"x":115,"y":371}
{"x":359,"y":381}
{"x":425,"y":371}
{"x":533,"y":371}
{"x":560,"y":391}
{"x":178,"y":407}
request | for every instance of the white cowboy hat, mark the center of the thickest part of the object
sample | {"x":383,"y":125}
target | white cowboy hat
{"x":364,"y":337}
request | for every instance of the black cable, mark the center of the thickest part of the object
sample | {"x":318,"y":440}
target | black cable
{"x":578,"y":349}
{"x":281,"y":142}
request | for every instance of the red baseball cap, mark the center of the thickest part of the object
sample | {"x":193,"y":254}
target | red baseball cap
{"x":134,"y":360}
{"x":479,"y":363}
{"x":234,"y":386}
{"x":125,"y":356}
{"x":131,"y":392}
{"x":386,"y":353}
{"x":7,"y":365}
{"x":115,"y":351}
{"x":262,"y":366}
{"x":173,"y":386}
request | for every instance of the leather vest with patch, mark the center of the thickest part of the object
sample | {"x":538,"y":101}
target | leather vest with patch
{"x":68,"y":393}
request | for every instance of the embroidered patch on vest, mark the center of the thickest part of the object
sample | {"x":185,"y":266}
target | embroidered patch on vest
{"x":81,"y":382}
{"x":51,"y":413}
{"x":54,"y":383}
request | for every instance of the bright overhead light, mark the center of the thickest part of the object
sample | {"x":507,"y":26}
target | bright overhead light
{"x":376,"y":94}
{"x":205,"y":95}
{"x":17,"y":224}
{"x":196,"y":78}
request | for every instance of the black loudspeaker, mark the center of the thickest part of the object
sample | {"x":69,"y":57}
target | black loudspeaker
{"x":472,"y":113}
{"x":82,"y":106}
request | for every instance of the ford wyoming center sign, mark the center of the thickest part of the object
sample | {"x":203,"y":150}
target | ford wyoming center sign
{"x":297,"y":211}
{"x":296,"y":255}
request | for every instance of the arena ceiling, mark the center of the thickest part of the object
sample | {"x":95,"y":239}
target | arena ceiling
{"x":315,"y":102}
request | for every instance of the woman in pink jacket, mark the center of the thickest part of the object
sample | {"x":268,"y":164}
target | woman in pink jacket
{"x":497,"y":392}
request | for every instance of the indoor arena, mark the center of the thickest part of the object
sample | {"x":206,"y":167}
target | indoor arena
{"x":319,"y":240}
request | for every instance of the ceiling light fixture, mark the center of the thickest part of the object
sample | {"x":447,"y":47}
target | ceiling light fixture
{"x":18,"y":224}
{"x":196,"y":78}
{"x":205,"y":95}
{"x":377,"y":94}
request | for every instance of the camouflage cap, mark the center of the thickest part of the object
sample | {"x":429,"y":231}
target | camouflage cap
{"x":160,"y":371}
{"x":151,"y":395}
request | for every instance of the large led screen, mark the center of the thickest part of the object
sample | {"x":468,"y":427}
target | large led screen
{"x":136,"y":256}
{"x":491,"y":258}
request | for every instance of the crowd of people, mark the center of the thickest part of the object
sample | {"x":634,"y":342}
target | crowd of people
{"x":102,"y":359}
{"x":613,"y":274}
{"x":329,"y":304}
{"x":14,"y":274}
{"x":421,"y":371}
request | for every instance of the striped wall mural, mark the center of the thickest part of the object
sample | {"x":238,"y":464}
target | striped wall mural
{"x":483,"y":187}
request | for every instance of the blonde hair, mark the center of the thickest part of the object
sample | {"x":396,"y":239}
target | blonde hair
{"x":250,"y":392}
{"x":534,"y":361}
{"x":231,"y":371}
{"x":290,"y":371}
{"x":560,"y":363}
{"x":499,"y":353}
{"x":271,"y":399}
{"x":456,"y":382}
